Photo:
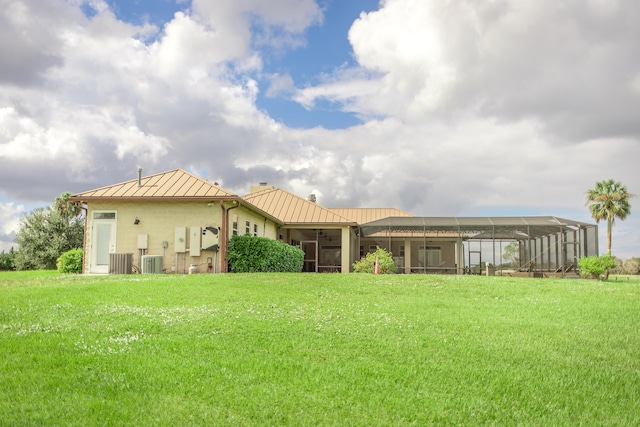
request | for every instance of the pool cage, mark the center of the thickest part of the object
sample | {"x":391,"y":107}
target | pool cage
{"x":546,"y":245}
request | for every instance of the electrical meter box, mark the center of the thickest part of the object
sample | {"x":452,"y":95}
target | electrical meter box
{"x":195,"y":234}
{"x":181,"y":239}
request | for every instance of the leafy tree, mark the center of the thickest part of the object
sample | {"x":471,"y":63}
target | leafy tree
{"x":512,"y":254}
{"x":7,"y":260}
{"x":368,"y":262}
{"x":609,"y":200}
{"x":46,"y":233}
{"x":631,"y":266}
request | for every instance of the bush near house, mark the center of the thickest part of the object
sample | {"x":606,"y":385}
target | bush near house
{"x":367,"y":263}
{"x":597,"y":267}
{"x":250,"y":254}
{"x":7,"y":260}
{"x":70,"y":261}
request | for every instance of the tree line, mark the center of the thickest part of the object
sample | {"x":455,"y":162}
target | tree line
{"x":45,"y":234}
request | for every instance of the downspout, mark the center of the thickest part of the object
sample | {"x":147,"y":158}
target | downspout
{"x":224,"y":230}
{"x":85,"y":208}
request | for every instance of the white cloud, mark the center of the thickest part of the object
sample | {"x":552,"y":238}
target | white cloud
{"x":9,"y":223}
{"x":9,"y":217}
{"x":512,"y":60}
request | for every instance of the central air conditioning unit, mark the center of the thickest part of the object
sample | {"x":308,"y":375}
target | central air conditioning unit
{"x":151,"y":264}
{"x":120,"y":263}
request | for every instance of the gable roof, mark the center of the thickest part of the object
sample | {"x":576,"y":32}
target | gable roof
{"x":291,"y":209}
{"x":175,"y":184}
{"x":364,"y":215}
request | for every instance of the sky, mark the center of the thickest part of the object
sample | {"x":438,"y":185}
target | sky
{"x":439,"y":108}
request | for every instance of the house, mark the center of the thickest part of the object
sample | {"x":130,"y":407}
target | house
{"x":176,"y":222}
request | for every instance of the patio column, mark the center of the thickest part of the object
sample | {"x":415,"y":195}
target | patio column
{"x":345,"y":250}
{"x":407,"y":256}
{"x":460,"y":269}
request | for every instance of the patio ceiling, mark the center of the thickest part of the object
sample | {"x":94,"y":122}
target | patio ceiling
{"x":518,"y":228}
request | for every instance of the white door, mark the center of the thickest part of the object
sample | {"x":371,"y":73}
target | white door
{"x":103,"y":238}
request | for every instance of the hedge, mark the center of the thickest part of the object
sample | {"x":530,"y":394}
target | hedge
{"x":250,"y":254}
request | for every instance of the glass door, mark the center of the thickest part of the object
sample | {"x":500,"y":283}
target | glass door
{"x":103,"y":241}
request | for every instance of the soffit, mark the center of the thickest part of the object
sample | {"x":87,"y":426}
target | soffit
{"x":175,"y":184}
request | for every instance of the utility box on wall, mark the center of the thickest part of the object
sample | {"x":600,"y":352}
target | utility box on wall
{"x":143,"y":241}
{"x":181,"y":239}
{"x":195,"y":234}
{"x":210,"y":240}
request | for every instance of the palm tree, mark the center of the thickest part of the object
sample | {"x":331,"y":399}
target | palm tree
{"x":609,"y":200}
{"x":66,"y":208}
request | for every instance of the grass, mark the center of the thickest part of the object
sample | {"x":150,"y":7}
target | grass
{"x":295,"y":349}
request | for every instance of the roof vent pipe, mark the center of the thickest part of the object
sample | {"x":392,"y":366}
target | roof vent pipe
{"x":263,"y":184}
{"x":312,"y":198}
{"x":139,"y":177}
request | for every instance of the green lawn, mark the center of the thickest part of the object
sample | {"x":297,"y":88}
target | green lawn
{"x":317,"y":349}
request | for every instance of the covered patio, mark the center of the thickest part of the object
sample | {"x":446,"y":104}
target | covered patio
{"x":547,"y":245}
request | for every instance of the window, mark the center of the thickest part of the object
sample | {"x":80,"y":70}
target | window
{"x":247,"y":229}
{"x":255,"y":229}
{"x":104,"y":215}
{"x":235,"y":225}
{"x":401,"y":251}
{"x":372,"y":249}
{"x":430,"y":255}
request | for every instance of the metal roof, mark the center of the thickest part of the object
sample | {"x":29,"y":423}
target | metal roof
{"x":175,"y":184}
{"x":364,"y":215}
{"x":475,"y":227}
{"x":294,"y":210}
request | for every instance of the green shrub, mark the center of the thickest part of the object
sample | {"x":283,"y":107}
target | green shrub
{"x":367,"y":263}
{"x":596,"y":267}
{"x":7,"y":260}
{"x":250,"y":254}
{"x":70,"y":261}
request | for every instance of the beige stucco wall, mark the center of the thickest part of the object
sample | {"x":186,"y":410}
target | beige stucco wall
{"x":159,"y":221}
{"x":266,"y":228}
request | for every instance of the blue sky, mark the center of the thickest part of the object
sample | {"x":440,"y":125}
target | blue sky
{"x":437,"y":108}
{"x":326,"y":48}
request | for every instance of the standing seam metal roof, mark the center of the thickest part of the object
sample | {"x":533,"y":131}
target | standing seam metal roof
{"x":174,"y":184}
{"x":292,"y":209}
